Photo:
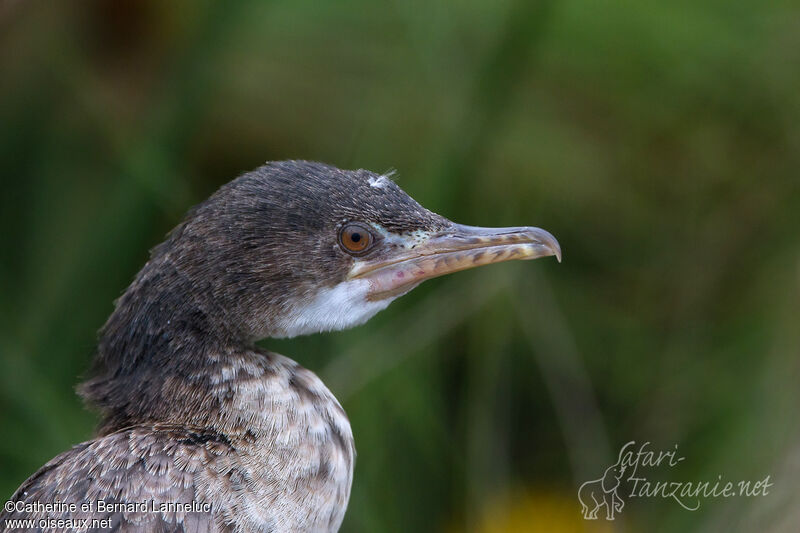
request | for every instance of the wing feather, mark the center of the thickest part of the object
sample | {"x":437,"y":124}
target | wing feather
{"x":153,"y":466}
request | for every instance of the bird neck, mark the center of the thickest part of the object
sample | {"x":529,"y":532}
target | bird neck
{"x":160,"y":352}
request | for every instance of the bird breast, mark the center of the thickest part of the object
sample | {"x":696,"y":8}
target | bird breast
{"x":293,"y":466}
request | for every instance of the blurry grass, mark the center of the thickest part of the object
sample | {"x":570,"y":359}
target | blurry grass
{"x":658,"y":141}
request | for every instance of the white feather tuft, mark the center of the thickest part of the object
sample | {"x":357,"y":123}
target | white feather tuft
{"x":380,"y":182}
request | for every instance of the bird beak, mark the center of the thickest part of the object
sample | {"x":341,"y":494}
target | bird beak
{"x":456,"y":248}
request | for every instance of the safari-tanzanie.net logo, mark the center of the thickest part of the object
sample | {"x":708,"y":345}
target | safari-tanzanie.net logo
{"x":631,"y":477}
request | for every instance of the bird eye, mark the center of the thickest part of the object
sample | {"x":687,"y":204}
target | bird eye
{"x":355,"y":238}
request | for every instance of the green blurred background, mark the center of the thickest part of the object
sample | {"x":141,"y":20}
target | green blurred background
{"x":659,"y":141}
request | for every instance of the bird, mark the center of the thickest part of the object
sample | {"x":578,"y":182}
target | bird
{"x":203,"y":430}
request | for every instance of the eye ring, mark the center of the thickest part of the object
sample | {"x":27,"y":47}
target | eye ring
{"x":356,"y":238}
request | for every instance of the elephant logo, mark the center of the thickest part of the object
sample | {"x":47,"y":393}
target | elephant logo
{"x":602,"y":492}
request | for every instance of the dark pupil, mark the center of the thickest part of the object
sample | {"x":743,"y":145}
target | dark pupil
{"x":355,"y":237}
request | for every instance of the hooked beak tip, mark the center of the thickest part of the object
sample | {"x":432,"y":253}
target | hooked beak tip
{"x":550,"y":242}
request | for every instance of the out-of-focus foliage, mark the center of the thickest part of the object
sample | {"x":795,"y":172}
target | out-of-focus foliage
{"x":659,"y":141}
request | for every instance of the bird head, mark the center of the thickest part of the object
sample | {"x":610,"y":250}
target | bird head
{"x":297,"y":247}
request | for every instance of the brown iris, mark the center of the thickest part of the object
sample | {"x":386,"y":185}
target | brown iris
{"x":355,"y":238}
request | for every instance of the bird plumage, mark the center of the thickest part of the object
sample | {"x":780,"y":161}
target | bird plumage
{"x":192,"y":411}
{"x":264,"y":445}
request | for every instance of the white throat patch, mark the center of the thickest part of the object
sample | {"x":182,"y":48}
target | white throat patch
{"x":343,"y":306}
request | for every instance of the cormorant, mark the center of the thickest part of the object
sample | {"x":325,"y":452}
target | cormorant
{"x":201,"y":429}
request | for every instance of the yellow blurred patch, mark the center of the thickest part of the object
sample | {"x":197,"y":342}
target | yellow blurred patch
{"x":539,"y":511}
